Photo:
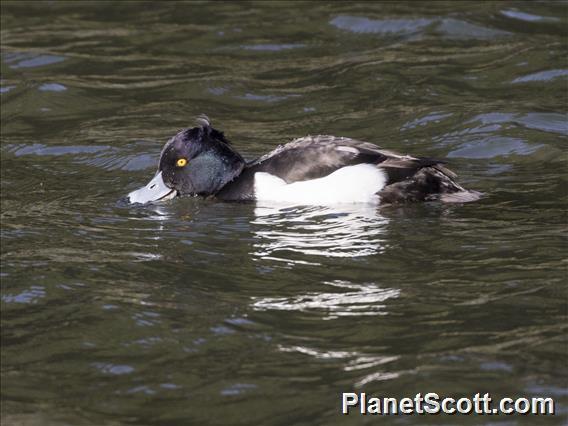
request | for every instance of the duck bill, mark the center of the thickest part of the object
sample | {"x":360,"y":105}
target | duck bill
{"x":156,"y":190}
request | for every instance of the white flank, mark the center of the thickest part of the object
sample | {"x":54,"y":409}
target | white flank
{"x":352,"y":184}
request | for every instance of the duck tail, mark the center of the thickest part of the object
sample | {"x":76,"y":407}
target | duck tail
{"x":450,"y":190}
{"x":465,"y":196}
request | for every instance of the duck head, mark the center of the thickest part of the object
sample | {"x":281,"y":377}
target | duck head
{"x":196,"y":161}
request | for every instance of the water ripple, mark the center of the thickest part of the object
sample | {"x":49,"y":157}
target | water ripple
{"x":354,"y":300}
{"x":30,"y":60}
{"x":272,"y":47}
{"x":527,"y":17}
{"x":364,"y":25}
{"x":449,"y":27}
{"x":547,"y":75}
{"x":339,"y":231}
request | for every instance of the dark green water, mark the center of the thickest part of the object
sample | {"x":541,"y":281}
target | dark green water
{"x":196,"y":312}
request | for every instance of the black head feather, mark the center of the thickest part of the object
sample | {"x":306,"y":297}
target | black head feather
{"x":207,"y":129}
{"x":211,"y":161}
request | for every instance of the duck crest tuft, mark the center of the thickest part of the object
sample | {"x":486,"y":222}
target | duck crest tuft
{"x":207,"y":129}
{"x":203,"y":121}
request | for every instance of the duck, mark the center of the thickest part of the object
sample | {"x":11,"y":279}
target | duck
{"x":311,"y":170}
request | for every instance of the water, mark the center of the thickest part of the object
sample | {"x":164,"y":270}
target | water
{"x":197,"y":312}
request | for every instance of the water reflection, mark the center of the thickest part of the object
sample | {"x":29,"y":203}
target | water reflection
{"x":373,"y":366}
{"x":346,"y":299}
{"x":30,"y":60}
{"x":541,"y":76}
{"x":446,"y":27}
{"x":528,"y":17}
{"x":338,"y":231}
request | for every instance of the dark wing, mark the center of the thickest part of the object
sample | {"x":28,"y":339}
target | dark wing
{"x":313,"y":157}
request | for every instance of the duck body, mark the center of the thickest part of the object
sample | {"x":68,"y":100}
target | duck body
{"x":318,"y":170}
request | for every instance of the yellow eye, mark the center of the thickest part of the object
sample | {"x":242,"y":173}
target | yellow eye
{"x":181,"y":162}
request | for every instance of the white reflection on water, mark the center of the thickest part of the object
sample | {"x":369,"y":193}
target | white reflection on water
{"x":159,"y":215}
{"x":354,"y":361}
{"x":358,"y":300}
{"x":349,"y":230}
